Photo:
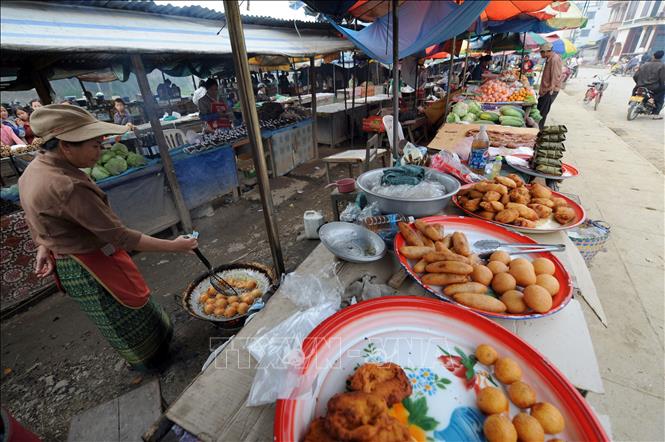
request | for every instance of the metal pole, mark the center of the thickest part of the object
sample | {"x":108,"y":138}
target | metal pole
{"x":395,"y":77}
{"x":466,"y":59}
{"x":353,"y":100}
{"x":366,"y":88}
{"x":450,"y":76}
{"x":523,"y":52}
{"x":312,"y":74}
{"x":194,"y":83}
{"x":415,"y":98}
{"x":248,"y":106}
{"x":84,"y":91}
{"x":295,"y":81}
{"x":167,"y":163}
{"x":346,"y":111}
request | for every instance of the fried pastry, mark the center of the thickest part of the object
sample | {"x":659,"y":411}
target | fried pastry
{"x":355,"y":416}
{"x":388,"y":381}
{"x":317,"y":432}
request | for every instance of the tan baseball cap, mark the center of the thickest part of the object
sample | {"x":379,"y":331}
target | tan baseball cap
{"x":546,"y":47}
{"x":70,"y":123}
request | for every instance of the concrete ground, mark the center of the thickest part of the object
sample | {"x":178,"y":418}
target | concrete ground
{"x":621,"y":182}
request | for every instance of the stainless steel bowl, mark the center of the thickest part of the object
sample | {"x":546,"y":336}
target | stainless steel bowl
{"x":412,"y":207}
{"x":352,"y":242}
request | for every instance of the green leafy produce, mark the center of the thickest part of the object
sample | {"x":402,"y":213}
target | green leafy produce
{"x":106,"y":155}
{"x":452,"y":118}
{"x":87,"y":170}
{"x":135,"y":160}
{"x":99,"y":173}
{"x":119,"y":147}
{"x":116,"y":165}
{"x":489,"y":116}
{"x":485,"y":122}
{"x":460,"y":109}
{"x":470,"y":117}
{"x":474,"y":107}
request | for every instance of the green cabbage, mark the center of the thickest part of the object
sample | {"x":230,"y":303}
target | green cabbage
{"x":460,"y":109}
{"x":452,"y":118}
{"x":469,"y":117}
{"x":474,"y":107}
{"x":116,"y":165}
{"x":106,"y":155}
{"x":135,"y":160}
{"x":119,"y":147}
{"x":99,"y":173}
{"x":87,"y":170}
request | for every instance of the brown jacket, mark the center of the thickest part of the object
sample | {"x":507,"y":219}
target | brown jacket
{"x":552,"y":73}
{"x":66,"y":212}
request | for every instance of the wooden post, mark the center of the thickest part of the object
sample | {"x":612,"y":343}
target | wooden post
{"x":522,"y":60}
{"x":41,"y":86}
{"x":353,"y":101}
{"x":366,"y":88}
{"x":466,"y":59}
{"x":312,"y":74}
{"x":450,"y":77}
{"x":248,"y":105}
{"x":395,"y":79}
{"x":295,"y":81}
{"x":167,"y":163}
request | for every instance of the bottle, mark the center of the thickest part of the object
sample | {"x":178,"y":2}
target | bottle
{"x":385,"y":225}
{"x":479,"y":146}
{"x":493,"y":169}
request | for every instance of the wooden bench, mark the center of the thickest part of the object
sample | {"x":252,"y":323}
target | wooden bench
{"x":358,"y":156}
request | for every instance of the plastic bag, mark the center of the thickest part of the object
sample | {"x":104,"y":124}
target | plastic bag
{"x":278,"y":350}
{"x":369,"y":210}
{"x":448,"y":162}
{"x":350,"y":214}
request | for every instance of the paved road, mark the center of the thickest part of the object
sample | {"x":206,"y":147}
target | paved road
{"x":644,"y":135}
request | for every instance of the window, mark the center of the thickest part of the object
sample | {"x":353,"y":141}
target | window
{"x":645,"y":9}
{"x":632,"y":8}
{"x":645,"y":37}
{"x":585,"y":32}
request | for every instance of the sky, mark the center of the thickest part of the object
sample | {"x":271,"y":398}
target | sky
{"x":270,"y":8}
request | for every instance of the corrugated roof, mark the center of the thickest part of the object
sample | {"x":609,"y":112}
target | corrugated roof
{"x":150,"y":7}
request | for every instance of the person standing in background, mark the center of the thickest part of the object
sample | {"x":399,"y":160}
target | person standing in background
{"x":199,"y":92}
{"x":175,"y":91}
{"x":35,"y":103}
{"x":164,"y":90}
{"x":527,"y":68}
{"x":23,"y":120}
{"x":550,"y":82}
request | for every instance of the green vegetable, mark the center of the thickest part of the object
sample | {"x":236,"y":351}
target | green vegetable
{"x":87,"y":170}
{"x":469,"y":117}
{"x":99,"y":173}
{"x":474,"y":107}
{"x":489,"y":116}
{"x":460,"y":109}
{"x":119,"y":147}
{"x":485,"y":122}
{"x":135,"y":160}
{"x":511,"y":111}
{"x":452,"y":118}
{"x":106,"y":155}
{"x":116,"y":165}
{"x":511,"y":121}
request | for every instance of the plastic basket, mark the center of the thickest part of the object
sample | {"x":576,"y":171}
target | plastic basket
{"x":590,"y":238}
{"x":373,"y":123}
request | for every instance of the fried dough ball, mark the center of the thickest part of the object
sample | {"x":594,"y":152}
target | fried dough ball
{"x":220,"y":296}
{"x":475,"y":194}
{"x":503,"y":282}
{"x":514,"y":301}
{"x":507,"y":370}
{"x":528,"y":428}
{"x":392,"y":430}
{"x":230,"y":311}
{"x":544,"y":201}
{"x":540,"y":191}
{"x":317,"y":432}
{"x":492,"y":206}
{"x":549,"y":416}
{"x":482,"y":274}
{"x":542,"y":210}
{"x":523,"y":222}
{"x":388,"y":381}
{"x":486,"y":214}
{"x":498,"y":428}
{"x":472,"y":205}
{"x":516,"y":178}
{"x":491,"y":196}
{"x":242,"y":308}
{"x":564,"y":214}
{"x":211,"y":291}
{"x":507,"y":216}
{"x":505,"y":199}
{"x":559,"y":202}
{"x":497,"y":267}
{"x":501,"y":256}
{"x":208,"y":309}
{"x":486,"y":354}
{"x":204,"y":298}
{"x":549,"y":283}
{"x":233,"y":299}
{"x":355,"y":415}
{"x":523,"y":272}
{"x":247,"y":298}
{"x":521,"y":394}
{"x":221,"y":303}
{"x":543,"y":265}
{"x":520,"y":195}
{"x":509,"y":183}
{"x":219,"y":311}
{"x":491,"y":400}
{"x":538,"y":298}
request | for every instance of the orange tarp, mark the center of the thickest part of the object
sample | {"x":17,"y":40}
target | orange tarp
{"x":498,"y":10}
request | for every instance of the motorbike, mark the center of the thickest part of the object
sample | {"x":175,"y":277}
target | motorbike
{"x":595,"y":90}
{"x":641,"y":102}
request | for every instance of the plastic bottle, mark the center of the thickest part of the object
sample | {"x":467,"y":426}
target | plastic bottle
{"x":493,"y":169}
{"x":385,"y":225}
{"x":312,"y":220}
{"x":478,"y":156}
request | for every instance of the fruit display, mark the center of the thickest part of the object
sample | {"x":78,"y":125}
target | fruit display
{"x":114,"y":161}
{"x":507,"y":200}
{"x":549,"y":149}
{"x":523,"y":94}
{"x":493,"y":91}
{"x":227,"y":306}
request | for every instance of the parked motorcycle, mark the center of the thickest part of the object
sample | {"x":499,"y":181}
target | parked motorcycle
{"x":641,"y":102}
{"x":595,"y":90}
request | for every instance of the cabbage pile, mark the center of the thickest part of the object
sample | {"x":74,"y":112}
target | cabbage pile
{"x":464,"y":112}
{"x":115,"y":161}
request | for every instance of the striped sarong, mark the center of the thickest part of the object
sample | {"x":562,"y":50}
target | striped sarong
{"x":139,"y":335}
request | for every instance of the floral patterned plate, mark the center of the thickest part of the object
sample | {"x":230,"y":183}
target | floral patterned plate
{"x":434,"y":342}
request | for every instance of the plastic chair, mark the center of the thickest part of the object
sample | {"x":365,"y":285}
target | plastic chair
{"x":174,"y":138}
{"x":388,"y":124}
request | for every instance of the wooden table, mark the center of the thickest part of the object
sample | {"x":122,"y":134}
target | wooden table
{"x":213,"y":407}
{"x":450,"y":133}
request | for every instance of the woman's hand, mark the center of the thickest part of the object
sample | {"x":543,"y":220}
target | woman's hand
{"x":44,"y":265}
{"x":184,"y":243}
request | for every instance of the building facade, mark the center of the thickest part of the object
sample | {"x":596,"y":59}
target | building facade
{"x":597,"y":14}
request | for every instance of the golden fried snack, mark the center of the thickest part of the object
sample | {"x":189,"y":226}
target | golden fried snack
{"x":447,"y":241}
{"x":486,"y":214}
{"x":456,"y":267}
{"x":392,"y":430}
{"x":528,"y":428}
{"x":387,"y":381}
{"x":549,"y":416}
{"x":507,"y":371}
{"x":501,"y":256}
{"x":463,"y":192}
{"x":523,"y":222}
{"x":317,"y":432}
{"x":540,"y":191}
{"x":461,"y":244}
{"x":538,"y":298}
{"x":542,"y":210}
{"x":492,"y":206}
{"x":491,"y":400}
{"x":508,"y":182}
{"x":409,"y":235}
{"x":507,"y":216}
{"x":472,"y":205}
{"x":243,"y":284}
{"x":209,"y":309}
{"x":564,"y":214}
{"x":420,"y":266}
{"x":439,"y":246}
{"x":523,"y":211}
{"x":231,"y":311}
{"x":446,"y":255}
{"x":481,"y":274}
{"x":514,"y":301}
{"x":491,"y":196}
{"x":462,"y":199}
{"x":497,"y":267}
{"x":467,"y":287}
{"x":516,"y":178}
{"x":499,"y":188}
{"x":415,"y":252}
{"x":474,"y":259}
{"x":218,"y":312}
{"x":203,"y":298}
{"x":355,"y":416}
{"x":549,"y":283}
{"x":426,"y":241}
{"x":543,"y":265}
{"x":498,"y":428}
{"x":558,"y":201}
{"x":482,"y":186}
{"x":523,"y":271}
{"x":475,"y":194}
{"x":544,"y":201}
{"x":503,"y":282}
{"x":505,"y":199}
{"x":521,"y":394}
{"x":443,"y":278}
{"x":486,"y":354}
{"x":429,"y":230}
{"x":481,"y":302}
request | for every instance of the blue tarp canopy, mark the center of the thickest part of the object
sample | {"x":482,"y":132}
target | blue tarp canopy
{"x":530,"y":24}
{"x":421,"y":24}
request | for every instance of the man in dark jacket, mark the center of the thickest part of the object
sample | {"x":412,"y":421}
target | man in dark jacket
{"x":651,"y":75}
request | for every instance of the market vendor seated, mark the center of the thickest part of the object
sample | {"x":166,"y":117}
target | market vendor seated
{"x":212,"y":111}
{"x":121,"y":115}
{"x":262,"y":93}
{"x":84,"y":243}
